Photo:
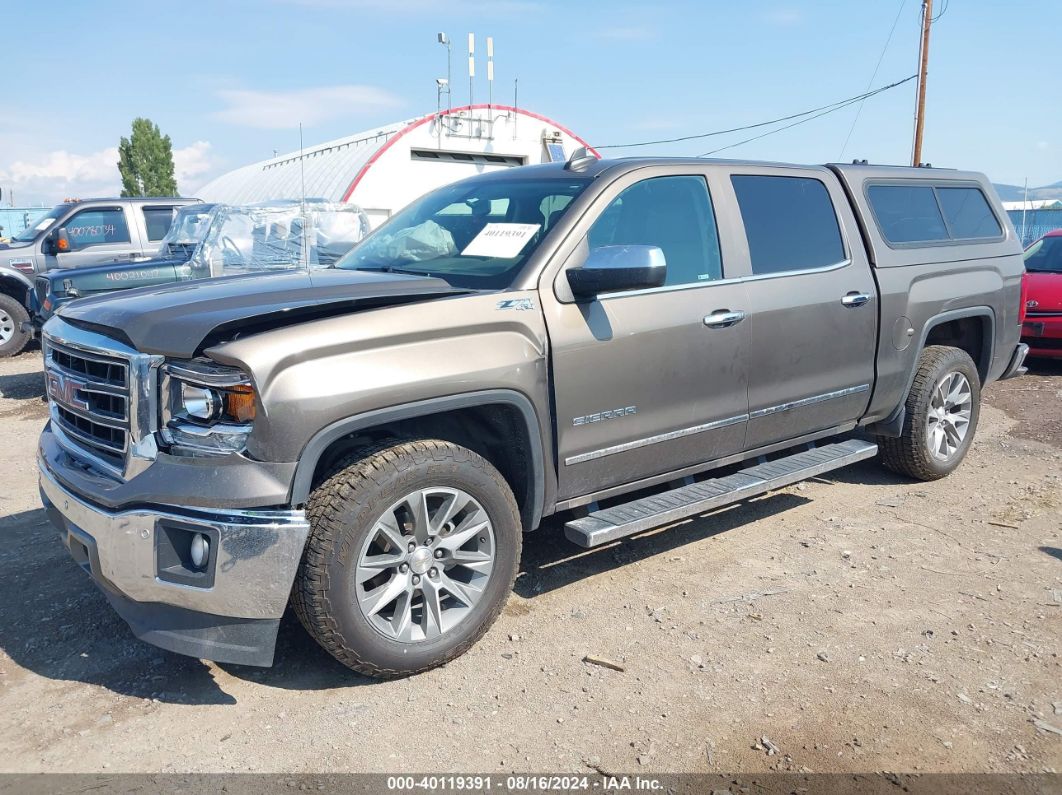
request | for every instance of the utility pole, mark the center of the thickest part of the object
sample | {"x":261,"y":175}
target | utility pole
{"x":920,"y":110}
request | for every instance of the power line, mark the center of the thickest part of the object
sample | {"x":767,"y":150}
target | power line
{"x":827,"y":109}
{"x":943,"y":11}
{"x":834,"y":105}
{"x":870,"y":82}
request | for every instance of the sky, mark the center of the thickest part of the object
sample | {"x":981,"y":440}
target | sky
{"x":230,"y":80}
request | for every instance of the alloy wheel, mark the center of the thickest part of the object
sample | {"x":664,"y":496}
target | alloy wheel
{"x":950,"y":410}
{"x":425,"y":564}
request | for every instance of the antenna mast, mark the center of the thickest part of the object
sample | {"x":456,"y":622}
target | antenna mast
{"x":302,"y":204}
{"x":490,"y":73}
{"x":471,"y":65}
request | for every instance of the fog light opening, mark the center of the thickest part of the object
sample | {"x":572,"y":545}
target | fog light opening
{"x":200,"y":550}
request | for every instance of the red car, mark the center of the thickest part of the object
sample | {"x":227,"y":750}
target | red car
{"x":1042,"y":329}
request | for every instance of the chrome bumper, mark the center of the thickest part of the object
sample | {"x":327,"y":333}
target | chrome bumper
{"x":256,"y":559}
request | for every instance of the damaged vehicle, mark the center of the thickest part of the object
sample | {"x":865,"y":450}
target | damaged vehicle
{"x":624,"y":343}
{"x":209,"y":240}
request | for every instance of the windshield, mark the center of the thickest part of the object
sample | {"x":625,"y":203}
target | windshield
{"x":475,"y":234}
{"x":278,"y":236}
{"x":189,"y":225}
{"x":42,"y":223}
{"x":1044,"y":256}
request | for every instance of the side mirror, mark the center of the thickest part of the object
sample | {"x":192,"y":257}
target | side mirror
{"x":611,"y":269}
{"x":62,"y":240}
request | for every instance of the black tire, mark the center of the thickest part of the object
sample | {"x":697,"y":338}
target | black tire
{"x":343,"y":510}
{"x":15,"y":314}
{"x":909,"y":454}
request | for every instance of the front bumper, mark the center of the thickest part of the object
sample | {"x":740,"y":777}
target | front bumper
{"x":235,"y":619}
{"x":1043,"y":334}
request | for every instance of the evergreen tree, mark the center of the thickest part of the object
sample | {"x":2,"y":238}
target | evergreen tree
{"x":145,"y":161}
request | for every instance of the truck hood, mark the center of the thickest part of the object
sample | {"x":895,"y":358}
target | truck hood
{"x":1046,"y":290}
{"x":13,"y":245}
{"x":182,"y":319}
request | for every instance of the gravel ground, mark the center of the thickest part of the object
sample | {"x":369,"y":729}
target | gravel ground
{"x":856,"y":622}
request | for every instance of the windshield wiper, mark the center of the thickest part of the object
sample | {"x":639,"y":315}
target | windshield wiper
{"x":393,"y":269}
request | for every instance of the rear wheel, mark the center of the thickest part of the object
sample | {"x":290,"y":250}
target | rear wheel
{"x":413,"y":550}
{"x":12,"y":315}
{"x":942,"y":410}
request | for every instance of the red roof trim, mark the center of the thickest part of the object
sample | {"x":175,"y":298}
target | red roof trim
{"x":409,"y":128}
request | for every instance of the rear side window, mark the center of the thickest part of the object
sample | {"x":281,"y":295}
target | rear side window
{"x":928,"y":214}
{"x":967,"y":212}
{"x":789,"y":222}
{"x":157,"y":220}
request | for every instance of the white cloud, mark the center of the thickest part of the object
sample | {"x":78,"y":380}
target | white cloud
{"x":276,"y":110}
{"x":51,"y":176}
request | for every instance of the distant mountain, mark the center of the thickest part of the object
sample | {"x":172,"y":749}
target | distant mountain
{"x":1016,"y":193}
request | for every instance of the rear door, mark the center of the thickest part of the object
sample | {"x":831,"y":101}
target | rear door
{"x":643,"y":385}
{"x":812,"y":304}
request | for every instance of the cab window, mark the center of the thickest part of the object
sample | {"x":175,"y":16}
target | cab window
{"x":672,"y":213}
{"x":790,"y":223}
{"x":157,"y":220}
{"x":98,"y":226}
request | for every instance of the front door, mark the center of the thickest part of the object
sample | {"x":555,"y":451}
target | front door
{"x":812,"y":306}
{"x":647,"y":382}
{"x":99,"y":234}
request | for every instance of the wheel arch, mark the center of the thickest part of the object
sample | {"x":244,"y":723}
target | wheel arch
{"x":954,"y":328}
{"x":15,"y":285}
{"x":484,"y":421}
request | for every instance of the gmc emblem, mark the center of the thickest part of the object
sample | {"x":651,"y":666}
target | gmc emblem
{"x":64,"y":389}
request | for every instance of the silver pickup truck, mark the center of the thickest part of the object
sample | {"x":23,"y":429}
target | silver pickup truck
{"x":74,"y":234}
{"x":626,"y":343}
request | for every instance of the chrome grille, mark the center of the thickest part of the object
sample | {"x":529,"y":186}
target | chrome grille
{"x":90,"y":399}
{"x":103,"y":398}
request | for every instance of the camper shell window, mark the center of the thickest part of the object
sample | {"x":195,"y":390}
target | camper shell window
{"x":915,"y":213}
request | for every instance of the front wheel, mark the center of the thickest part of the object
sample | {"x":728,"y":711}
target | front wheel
{"x":413,"y":550}
{"x":12,"y":315}
{"x":942,"y":409}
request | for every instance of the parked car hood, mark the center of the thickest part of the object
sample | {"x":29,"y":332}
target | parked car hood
{"x":14,"y":244}
{"x":180,"y":320}
{"x":91,"y":273}
{"x":1046,"y":290}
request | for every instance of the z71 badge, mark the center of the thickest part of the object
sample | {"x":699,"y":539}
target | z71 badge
{"x":519,"y":304}
{"x":611,"y":414}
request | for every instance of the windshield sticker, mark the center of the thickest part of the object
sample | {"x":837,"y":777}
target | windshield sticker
{"x":43,"y":224}
{"x":501,"y":240}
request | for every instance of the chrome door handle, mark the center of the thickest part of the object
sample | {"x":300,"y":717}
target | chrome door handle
{"x":855,"y":299}
{"x":724,"y":318}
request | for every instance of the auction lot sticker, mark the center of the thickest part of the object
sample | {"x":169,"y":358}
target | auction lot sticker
{"x":501,"y":240}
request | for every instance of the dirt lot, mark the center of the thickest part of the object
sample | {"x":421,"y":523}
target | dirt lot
{"x":852,"y":623}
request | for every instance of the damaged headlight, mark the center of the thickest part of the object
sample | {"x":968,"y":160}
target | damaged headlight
{"x":207,"y":408}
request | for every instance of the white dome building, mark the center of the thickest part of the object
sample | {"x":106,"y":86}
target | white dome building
{"x":383,"y":170}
